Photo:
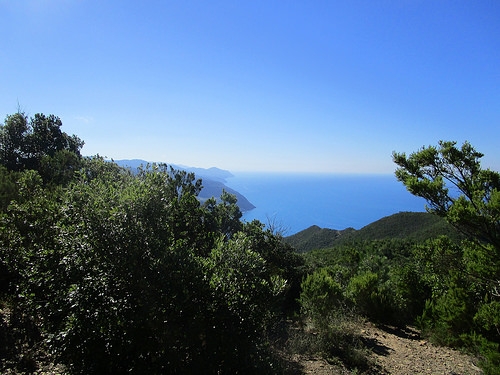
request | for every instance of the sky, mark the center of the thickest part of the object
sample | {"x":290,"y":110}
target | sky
{"x":262,"y":85}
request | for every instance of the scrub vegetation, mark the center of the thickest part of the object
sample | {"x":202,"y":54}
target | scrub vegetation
{"x":107,"y":271}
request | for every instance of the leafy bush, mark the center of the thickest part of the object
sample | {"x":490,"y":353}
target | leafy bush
{"x":126,"y":273}
{"x":335,"y":325}
{"x":487,"y":351}
{"x":320,"y":295}
{"x":242,"y":301}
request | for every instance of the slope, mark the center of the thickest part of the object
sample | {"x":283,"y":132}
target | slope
{"x":417,"y":226}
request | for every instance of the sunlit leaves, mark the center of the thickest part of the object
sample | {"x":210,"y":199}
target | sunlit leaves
{"x":455,"y":186}
{"x":31,"y":144}
{"x":466,"y":278}
{"x":130,"y":273}
{"x":320,"y":295}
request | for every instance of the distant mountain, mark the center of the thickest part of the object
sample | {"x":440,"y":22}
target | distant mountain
{"x":213,"y":180}
{"x":418,"y":226}
{"x":314,"y":238}
{"x":211,"y":173}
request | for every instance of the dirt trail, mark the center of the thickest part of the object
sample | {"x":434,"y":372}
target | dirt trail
{"x":400,"y":352}
{"x":403,"y":352}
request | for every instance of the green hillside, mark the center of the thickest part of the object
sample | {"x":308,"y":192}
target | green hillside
{"x":417,"y":226}
{"x":315,"y":237}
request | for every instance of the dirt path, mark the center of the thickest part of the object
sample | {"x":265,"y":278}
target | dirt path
{"x":400,"y":352}
{"x":403,"y":352}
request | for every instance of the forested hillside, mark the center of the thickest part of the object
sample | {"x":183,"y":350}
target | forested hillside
{"x":104,"y":271}
{"x":416,"y":226}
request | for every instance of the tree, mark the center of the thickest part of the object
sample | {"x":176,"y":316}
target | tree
{"x":244,"y":296}
{"x":13,"y":145}
{"x":8,"y":189}
{"x":39,"y":144}
{"x":225,"y":216}
{"x":457,"y":188}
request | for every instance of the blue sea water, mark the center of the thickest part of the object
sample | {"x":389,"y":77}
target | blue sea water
{"x":294,"y":202}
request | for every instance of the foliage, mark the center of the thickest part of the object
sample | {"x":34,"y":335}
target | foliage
{"x":365,"y":291}
{"x":314,"y":238}
{"x":412,"y":226}
{"x":39,"y":144}
{"x":114,"y":272}
{"x":380,"y":279}
{"x":14,"y":146}
{"x":472,"y":205}
{"x":335,"y":324}
{"x":8,"y":189}
{"x":225,"y":215}
{"x":320,"y":294}
{"x":488,"y":352}
{"x":131,"y":273}
{"x":465,"y":279}
{"x":242,"y":295}
{"x":281,"y":259}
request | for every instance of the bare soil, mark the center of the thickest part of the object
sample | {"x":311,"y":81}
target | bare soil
{"x":399,"y":352}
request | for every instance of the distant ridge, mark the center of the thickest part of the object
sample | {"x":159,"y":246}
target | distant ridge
{"x":213,"y":180}
{"x":315,"y":237}
{"x":213,"y":173}
{"x":418,"y":226}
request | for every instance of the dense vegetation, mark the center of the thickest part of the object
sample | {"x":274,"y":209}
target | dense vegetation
{"x":448,"y":285}
{"x":112,"y":272}
{"x":464,"y":308}
{"x":107,"y":271}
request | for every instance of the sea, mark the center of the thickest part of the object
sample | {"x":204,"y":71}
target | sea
{"x":293,"y":202}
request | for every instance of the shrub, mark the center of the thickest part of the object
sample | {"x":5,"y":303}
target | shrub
{"x":125,"y":273}
{"x":320,"y":296}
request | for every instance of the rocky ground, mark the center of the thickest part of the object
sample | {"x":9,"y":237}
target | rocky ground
{"x":398,"y":352}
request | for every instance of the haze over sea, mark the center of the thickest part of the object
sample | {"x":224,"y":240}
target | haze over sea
{"x":295,"y":202}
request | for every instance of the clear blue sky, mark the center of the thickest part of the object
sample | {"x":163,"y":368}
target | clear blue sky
{"x":320,"y":86}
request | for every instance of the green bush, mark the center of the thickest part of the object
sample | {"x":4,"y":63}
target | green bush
{"x":321,"y":295}
{"x":372,"y":298}
{"x":125,"y":273}
{"x":335,"y":325}
{"x":487,"y":351}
